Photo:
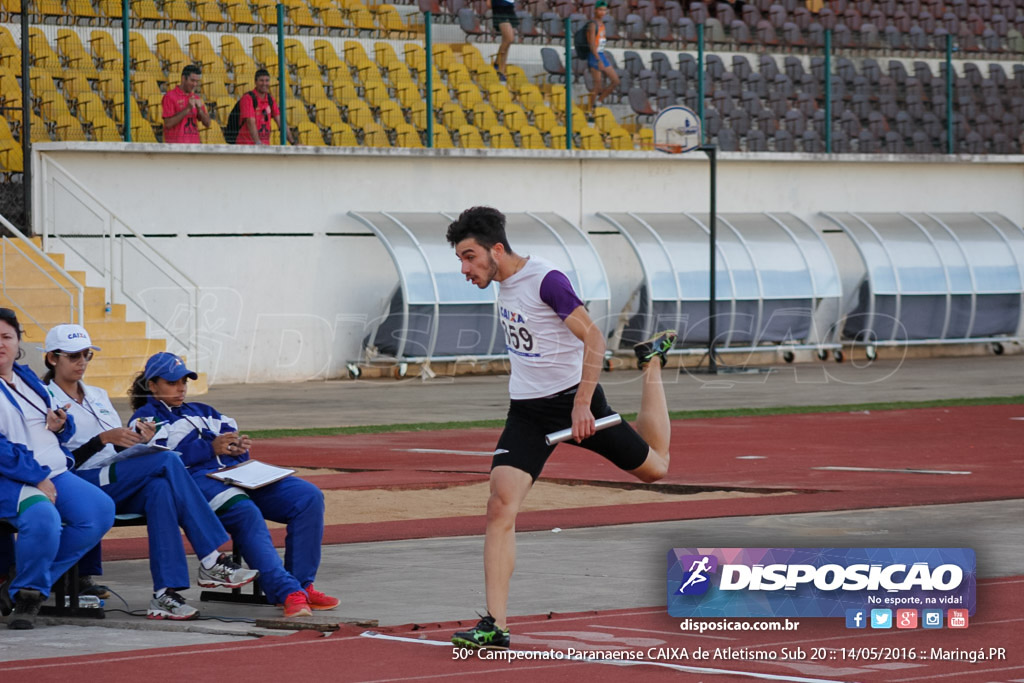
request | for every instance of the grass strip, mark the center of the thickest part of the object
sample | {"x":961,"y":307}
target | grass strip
{"x":675,"y":415}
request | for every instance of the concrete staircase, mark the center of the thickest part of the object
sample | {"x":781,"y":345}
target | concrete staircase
{"x":41,"y":304}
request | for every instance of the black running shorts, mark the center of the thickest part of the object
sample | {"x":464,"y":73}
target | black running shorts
{"x":522,"y":443}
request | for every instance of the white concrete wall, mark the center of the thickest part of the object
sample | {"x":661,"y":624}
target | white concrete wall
{"x":291,"y":283}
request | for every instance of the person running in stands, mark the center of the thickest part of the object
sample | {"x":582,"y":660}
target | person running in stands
{"x":183,"y":108}
{"x":153,"y":484}
{"x":209,"y":441}
{"x":556,"y":352}
{"x":597,"y":60}
{"x":37,"y":492}
{"x":506,"y":22}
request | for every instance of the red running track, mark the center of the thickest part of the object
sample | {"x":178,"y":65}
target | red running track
{"x":818,"y":650}
{"x":772,"y":453}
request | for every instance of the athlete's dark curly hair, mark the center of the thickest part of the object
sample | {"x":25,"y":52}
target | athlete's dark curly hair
{"x":484,"y":224}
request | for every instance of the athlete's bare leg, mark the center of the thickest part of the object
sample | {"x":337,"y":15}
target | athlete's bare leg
{"x":653,"y":425}
{"x":509,"y":487}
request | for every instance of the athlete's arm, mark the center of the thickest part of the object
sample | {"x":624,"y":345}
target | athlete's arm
{"x":580,"y":324}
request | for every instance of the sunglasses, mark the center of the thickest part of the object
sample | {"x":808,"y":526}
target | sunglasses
{"x":76,"y":356}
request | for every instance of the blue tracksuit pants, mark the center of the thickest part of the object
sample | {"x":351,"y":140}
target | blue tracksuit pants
{"x":291,"y":501}
{"x":158,"y":486}
{"x":45,"y":549}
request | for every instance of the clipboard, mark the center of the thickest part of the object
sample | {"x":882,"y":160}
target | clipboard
{"x":251,"y":474}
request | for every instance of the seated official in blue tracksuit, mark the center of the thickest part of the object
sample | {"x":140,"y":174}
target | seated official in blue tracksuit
{"x":209,"y":441}
{"x":154,"y":484}
{"x":58,"y":515}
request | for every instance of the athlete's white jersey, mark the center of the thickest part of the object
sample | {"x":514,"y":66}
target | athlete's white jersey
{"x":546,"y":357}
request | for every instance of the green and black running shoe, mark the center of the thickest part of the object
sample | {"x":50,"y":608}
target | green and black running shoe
{"x":484,"y":636}
{"x":658,"y":345}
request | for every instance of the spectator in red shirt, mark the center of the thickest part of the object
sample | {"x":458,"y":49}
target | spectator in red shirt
{"x":183,"y":108}
{"x":255,"y":111}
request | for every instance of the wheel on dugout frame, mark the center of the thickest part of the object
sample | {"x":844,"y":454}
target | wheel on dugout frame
{"x":788,"y":356}
{"x":677,"y":130}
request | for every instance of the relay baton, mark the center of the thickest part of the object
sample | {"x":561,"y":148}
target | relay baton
{"x":566,"y":434}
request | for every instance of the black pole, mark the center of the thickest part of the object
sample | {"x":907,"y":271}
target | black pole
{"x":712,"y":151}
{"x":26,"y":124}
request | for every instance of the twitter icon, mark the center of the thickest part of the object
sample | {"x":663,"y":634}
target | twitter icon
{"x":881,"y":618}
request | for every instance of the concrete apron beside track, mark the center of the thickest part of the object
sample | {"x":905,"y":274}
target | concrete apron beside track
{"x":599,"y":568}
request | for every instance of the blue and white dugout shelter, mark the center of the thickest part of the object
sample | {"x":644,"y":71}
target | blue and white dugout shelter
{"x":776,"y":281}
{"x":935,"y":277}
{"x":434,"y":314}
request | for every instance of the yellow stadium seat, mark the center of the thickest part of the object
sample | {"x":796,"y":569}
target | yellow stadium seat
{"x":11,"y":159}
{"x":240,"y":15}
{"x":390,"y":22}
{"x":513,"y":117}
{"x":83,"y":12}
{"x":444,"y":58}
{"x":544,"y":119}
{"x":590,"y":139}
{"x":146,"y":12}
{"x":453,"y":116}
{"x":142,"y":131}
{"x":358,"y":114}
{"x":604,"y":119}
{"x":327,"y":113}
{"x":469,"y":138}
{"x":105,"y":130}
{"x":391,"y":115}
{"x":621,"y":139}
{"x":178,"y":12}
{"x":221,"y":108}
{"x":408,"y":94}
{"x":309,"y":134}
{"x":362,"y":20}
{"x":69,"y":129}
{"x":375,"y":136}
{"x":418,"y":115}
{"x":74,"y":85}
{"x":531,"y":138}
{"x":468,"y":95}
{"x":323,"y":51}
{"x":333,"y":19}
{"x":557,"y":136}
{"x":213,"y":135}
{"x":90,"y":107}
{"x":498,"y":95}
{"x":501,"y":138}
{"x":406,"y":135}
{"x":376,"y":93}
{"x":516,"y":78}
{"x":484,"y":117}
{"x":342,"y":135}
{"x":646,"y":139}
{"x":442,"y":138}
{"x":110,"y":8}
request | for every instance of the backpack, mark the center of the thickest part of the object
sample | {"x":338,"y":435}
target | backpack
{"x":579,"y":41}
{"x":234,"y":124}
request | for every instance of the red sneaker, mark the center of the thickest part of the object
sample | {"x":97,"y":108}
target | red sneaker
{"x":318,"y":600}
{"x":297,"y":605}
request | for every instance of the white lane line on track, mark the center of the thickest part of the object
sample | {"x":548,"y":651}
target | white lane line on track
{"x":404,"y":639}
{"x":888,"y":469}
{"x":442,"y":450}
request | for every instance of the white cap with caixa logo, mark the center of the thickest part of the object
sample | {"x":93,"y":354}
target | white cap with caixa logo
{"x":68,"y":338}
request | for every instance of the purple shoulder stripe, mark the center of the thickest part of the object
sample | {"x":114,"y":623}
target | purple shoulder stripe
{"x":556,"y":291}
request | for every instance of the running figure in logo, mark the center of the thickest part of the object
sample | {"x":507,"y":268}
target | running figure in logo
{"x":697,"y":576}
{"x":556,"y":352}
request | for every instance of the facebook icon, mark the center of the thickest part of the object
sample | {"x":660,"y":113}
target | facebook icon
{"x":856,"y":618}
